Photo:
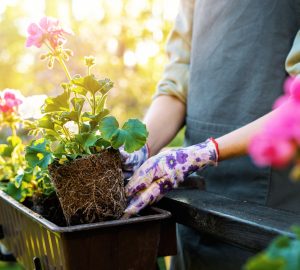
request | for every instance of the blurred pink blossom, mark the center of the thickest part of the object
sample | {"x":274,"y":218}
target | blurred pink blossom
{"x":48,"y":29}
{"x":294,"y":89}
{"x":36,"y":36}
{"x":266,"y":150}
{"x":9,"y":101}
{"x":277,"y":142}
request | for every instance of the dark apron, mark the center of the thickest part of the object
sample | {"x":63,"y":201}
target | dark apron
{"x":237,"y":70}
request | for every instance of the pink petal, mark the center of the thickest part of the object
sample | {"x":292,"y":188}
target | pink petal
{"x":287,"y":85}
{"x":295,"y":89}
{"x":8,"y":95}
{"x":34,"y":29}
{"x":280,"y":101}
{"x":48,"y":23}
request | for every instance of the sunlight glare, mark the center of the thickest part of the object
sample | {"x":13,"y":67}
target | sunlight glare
{"x":129,"y":58}
{"x":88,"y":10}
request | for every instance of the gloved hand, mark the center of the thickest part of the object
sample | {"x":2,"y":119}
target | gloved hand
{"x":132,"y":161}
{"x":165,"y":171}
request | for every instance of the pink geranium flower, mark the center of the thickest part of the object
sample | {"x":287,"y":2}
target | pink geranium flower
{"x":266,"y":150}
{"x":9,"y":101}
{"x":48,"y":29}
{"x":295,"y":89}
{"x":279,"y":139}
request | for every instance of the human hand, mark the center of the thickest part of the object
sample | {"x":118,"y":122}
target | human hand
{"x":165,"y":171}
{"x":132,"y":161}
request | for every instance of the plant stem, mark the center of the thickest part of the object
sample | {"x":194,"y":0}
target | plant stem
{"x":66,"y":133}
{"x":13,"y":130}
{"x":94,"y":104}
{"x":62,"y":63}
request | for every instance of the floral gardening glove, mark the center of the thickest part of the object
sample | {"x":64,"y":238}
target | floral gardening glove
{"x":132,"y":161}
{"x":165,"y":171}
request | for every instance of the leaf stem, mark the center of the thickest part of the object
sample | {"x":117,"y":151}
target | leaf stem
{"x":94,"y":104}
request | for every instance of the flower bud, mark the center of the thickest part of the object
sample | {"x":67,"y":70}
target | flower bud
{"x":51,"y":63}
{"x":65,"y":56}
{"x":68,"y":52}
{"x":60,"y":42}
{"x":89,"y":61}
{"x":44,"y":56}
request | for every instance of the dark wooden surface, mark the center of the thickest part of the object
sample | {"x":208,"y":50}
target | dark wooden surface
{"x":241,"y":223}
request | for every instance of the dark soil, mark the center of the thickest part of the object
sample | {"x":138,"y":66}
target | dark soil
{"x":91,"y":188}
{"x":49,"y":207}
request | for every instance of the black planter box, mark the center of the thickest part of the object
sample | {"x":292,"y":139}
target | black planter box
{"x":122,"y":244}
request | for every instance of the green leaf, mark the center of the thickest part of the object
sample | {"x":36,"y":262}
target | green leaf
{"x":51,"y":135}
{"x":14,"y":140}
{"x":103,"y":144}
{"x":6,"y":150}
{"x":133,"y":134}
{"x":86,"y":140}
{"x":79,"y":90}
{"x":56,"y":104}
{"x":68,"y":116}
{"x":57,"y":148}
{"x":71,"y":148}
{"x":26,"y":176}
{"x":282,"y":254}
{"x":263,"y":262}
{"x":89,"y":83}
{"x":94,"y":120}
{"x":106,"y":85}
{"x":296,"y":230}
{"x":15,"y":192}
{"x":108,"y":127}
{"x":100,"y":101}
{"x":45,"y":122}
{"x":78,"y":104}
{"x":84,"y":127}
{"x":38,"y":154}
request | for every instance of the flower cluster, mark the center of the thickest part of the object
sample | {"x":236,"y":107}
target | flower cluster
{"x":49,"y":31}
{"x":278,"y":142}
{"x":10,"y":100}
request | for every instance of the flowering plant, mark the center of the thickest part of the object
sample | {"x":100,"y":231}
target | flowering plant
{"x":11,"y":158}
{"x":12,"y":161}
{"x":76,"y":122}
{"x":278,"y":142}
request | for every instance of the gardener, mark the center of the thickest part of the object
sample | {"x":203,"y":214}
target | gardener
{"x":226,"y":69}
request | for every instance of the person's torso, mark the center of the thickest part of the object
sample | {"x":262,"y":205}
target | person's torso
{"x":237,"y":71}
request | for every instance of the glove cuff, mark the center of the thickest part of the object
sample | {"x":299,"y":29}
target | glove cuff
{"x":216,"y":147}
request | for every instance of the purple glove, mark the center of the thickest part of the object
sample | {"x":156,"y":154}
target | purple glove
{"x":132,"y":161}
{"x":165,"y":171}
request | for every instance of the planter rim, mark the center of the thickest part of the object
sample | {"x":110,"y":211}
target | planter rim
{"x":159,"y":215}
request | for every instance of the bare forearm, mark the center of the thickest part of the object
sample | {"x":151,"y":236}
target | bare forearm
{"x":164,"y":119}
{"x":236,"y":142}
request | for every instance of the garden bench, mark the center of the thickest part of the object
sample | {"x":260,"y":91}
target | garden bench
{"x":245,"y":224}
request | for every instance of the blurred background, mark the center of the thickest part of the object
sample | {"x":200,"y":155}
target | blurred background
{"x":127,"y":37}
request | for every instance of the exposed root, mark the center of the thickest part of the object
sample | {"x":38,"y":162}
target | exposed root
{"x":90,"y":189}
